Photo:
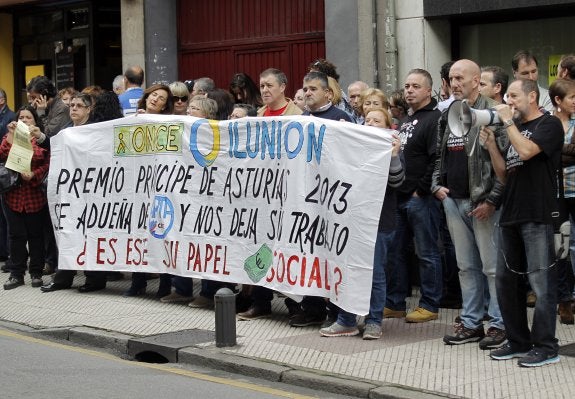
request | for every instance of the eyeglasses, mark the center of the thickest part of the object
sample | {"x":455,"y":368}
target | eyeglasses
{"x":75,"y":105}
{"x":182,"y":99}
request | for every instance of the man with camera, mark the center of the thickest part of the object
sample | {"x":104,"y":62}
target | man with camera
{"x":465,"y":181}
{"x":526,"y":233}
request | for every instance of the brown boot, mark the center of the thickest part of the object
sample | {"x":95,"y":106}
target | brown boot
{"x":566,"y":313}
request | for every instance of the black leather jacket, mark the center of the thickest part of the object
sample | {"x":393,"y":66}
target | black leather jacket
{"x":483,"y":184}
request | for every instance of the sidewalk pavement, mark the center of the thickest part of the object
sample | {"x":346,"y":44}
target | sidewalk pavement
{"x":410,"y":361}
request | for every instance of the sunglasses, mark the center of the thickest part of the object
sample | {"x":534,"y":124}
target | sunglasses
{"x":182,"y":99}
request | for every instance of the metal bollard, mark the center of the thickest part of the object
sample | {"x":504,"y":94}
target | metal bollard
{"x":225,"y":306}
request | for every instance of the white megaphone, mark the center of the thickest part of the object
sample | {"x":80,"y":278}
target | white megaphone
{"x":461,"y":117}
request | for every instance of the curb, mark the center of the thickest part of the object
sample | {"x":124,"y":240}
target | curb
{"x":219,"y":359}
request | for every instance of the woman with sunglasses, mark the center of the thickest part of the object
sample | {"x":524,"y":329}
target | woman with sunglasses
{"x":181,"y":97}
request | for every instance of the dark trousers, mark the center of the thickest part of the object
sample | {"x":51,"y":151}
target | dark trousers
{"x":50,"y":243}
{"x":4,"y":242}
{"x":528,"y":248}
{"x":183,"y":285}
{"x":140,"y":281}
{"x":66,"y":278}
{"x":26,"y":234}
{"x":210,"y":287}
{"x":262,"y":297}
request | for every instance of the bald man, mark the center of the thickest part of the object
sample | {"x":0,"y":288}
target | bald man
{"x":354,"y":91}
{"x":464,"y":180}
{"x":133,"y":80}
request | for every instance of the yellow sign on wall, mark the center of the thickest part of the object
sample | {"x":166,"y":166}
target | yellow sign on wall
{"x":553,"y":64}
{"x":32,"y":71}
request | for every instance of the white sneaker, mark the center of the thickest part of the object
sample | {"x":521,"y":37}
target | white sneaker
{"x":337,"y":330}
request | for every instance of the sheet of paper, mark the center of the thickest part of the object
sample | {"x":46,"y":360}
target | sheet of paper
{"x":20,"y":156}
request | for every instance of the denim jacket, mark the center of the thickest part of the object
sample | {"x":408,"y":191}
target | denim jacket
{"x":483,"y":184}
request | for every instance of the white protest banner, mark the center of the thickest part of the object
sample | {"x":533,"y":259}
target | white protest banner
{"x":290,"y":203}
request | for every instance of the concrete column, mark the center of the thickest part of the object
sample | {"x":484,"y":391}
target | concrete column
{"x":342,"y":40}
{"x":358,"y":41}
{"x":421,"y":43}
{"x":133,"y":52}
{"x":161,"y":41}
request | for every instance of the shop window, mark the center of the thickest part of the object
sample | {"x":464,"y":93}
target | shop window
{"x":40,"y":24}
{"x":78,"y":18}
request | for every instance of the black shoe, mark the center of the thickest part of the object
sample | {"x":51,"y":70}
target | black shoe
{"x":5,"y":268}
{"x":54,"y":287}
{"x":162,"y":292}
{"x":294,"y":308}
{"x":304,"y":319}
{"x":506,"y":352}
{"x":114,"y":276}
{"x":494,"y":338}
{"x":135,"y":291}
{"x":36,"y":281}
{"x":90,"y":288}
{"x":13,"y":282}
{"x":464,"y":335}
{"x":536,"y":358}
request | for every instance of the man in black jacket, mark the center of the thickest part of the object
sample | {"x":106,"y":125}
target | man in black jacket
{"x":418,"y":210}
{"x":465,"y":181}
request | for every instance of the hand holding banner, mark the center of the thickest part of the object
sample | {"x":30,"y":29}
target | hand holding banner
{"x":290,"y":203}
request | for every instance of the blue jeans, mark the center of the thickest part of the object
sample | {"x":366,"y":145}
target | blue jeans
{"x":417,"y":218}
{"x":528,"y":247}
{"x":383,"y":242}
{"x":476,"y":252}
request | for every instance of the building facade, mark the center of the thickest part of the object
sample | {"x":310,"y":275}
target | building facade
{"x":378,"y":41}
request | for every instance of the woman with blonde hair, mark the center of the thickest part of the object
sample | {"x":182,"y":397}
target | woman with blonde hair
{"x":181,"y":96}
{"x":372,"y":98}
{"x":335,"y":90}
{"x":203,"y":107}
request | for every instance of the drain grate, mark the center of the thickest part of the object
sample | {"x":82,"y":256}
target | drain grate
{"x":166,"y":346}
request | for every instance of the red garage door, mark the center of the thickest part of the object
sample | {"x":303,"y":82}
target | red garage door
{"x":218,"y":38}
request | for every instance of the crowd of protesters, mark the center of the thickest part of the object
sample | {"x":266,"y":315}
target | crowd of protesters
{"x":478,"y":209}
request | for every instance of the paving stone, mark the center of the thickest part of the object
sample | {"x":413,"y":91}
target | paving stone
{"x":328,"y":383}
{"x":109,"y":340}
{"x":220,"y":360}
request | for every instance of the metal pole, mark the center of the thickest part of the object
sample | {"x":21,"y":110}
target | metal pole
{"x":225,"y":309}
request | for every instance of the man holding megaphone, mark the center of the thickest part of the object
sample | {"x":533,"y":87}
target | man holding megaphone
{"x":526,"y":233}
{"x":465,"y":181}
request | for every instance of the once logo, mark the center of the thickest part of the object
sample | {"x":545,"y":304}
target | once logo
{"x":210,"y":157}
{"x":161,"y":217}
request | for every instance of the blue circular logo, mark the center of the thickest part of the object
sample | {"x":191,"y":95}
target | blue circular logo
{"x":161,"y":217}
